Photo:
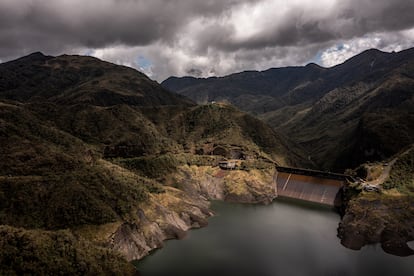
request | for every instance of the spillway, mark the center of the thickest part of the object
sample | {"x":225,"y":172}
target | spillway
{"x":323,"y":190}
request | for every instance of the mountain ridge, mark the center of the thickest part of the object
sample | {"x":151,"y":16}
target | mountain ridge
{"x":76,"y":79}
{"x":115,"y":172}
{"x":290,"y":99}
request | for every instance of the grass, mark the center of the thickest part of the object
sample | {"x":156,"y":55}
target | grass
{"x":28,"y":252}
{"x":162,"y":165}
{"x":91,"y":195}
{"x":402,"y":174}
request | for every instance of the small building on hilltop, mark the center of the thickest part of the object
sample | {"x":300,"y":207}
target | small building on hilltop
{"x":229,"y":164}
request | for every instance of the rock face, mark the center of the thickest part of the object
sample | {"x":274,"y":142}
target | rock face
{"x":169,"y":215}
{"x":252,"y":186}
{"x":387,"y":220}
{"x":385,"y":216}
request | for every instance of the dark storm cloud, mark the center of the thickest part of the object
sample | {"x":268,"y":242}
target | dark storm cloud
{"x":43,"y":24}
{"x":380,"y":15}
{"x":202,"y":37}
{"x":300,"y":26}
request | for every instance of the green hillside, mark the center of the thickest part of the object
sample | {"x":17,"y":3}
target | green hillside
{"x":358,"y":111}
{"x":86,"y":148}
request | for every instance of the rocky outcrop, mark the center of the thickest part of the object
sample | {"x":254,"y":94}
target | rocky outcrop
{"x":213,"y":183}
{"x":169,"y":215}
{"x":377,"y":218}
{"x":166,"y":216}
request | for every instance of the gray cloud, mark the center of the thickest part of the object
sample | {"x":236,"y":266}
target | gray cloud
{"x":178,"y":37}
{"x":380,"y":15}
{"x":98,"y":23}
{"x":301,"y":25}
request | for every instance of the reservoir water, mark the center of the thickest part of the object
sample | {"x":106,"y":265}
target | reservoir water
{"x":283,"y":238}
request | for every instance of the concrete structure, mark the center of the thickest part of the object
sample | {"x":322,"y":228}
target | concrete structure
{"x":316,"y":173}
{"x":309,"y":185}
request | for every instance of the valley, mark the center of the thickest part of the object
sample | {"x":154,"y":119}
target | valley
{"x":100,"y":164}
{"x":340,"y":117}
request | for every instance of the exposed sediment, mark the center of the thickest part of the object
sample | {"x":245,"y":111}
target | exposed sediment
{"x":169,"y":215}
{"x":166,"y":216}
{"x":252,"y":186}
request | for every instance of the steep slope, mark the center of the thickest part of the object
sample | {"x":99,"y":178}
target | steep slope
{"x":74,"y":79}
{"x":30,"y":252}
{"x":386,"y":216}
{"x":342,"y":116}
{"x":107,"y":154}
{"x":52,"y":180}
{"x":368,"y":120}
{"x":69,"y":93}
{"x":218,"y":125}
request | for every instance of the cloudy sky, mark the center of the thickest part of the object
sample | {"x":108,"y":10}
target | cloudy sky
{"x":205,"y":37}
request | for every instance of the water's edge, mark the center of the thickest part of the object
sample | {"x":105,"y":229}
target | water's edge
{"x":245,"y":239}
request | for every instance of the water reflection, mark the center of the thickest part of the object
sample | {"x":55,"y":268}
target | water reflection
{"x":278,"y":239}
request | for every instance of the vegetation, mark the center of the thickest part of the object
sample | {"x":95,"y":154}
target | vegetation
{"x":402,"y":174}
{"x":68,"y":80}
{"x":338,"y":117}
{"x":87,"y":144}
{"x":53,"y":180}
{"x":367,"y":171}
{"x":89,"y":196}
{"x":161,"y":165}
{"x":385,"y":216}
{"x":37,"y":252}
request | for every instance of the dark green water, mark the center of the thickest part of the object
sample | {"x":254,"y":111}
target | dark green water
{"x":278,"y":239}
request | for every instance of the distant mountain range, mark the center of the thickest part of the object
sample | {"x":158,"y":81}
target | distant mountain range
{"x":360,"y":110}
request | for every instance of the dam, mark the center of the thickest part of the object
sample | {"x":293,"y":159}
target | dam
{"x":309,"y":185}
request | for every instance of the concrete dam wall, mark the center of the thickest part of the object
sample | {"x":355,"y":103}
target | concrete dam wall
{"x":308,"y":187}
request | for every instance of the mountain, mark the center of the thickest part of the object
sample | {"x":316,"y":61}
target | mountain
{"x":100,"y":160}
{"x":75,"y":79}
{"x":116,"y":107}
{"x":358,"y":111}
